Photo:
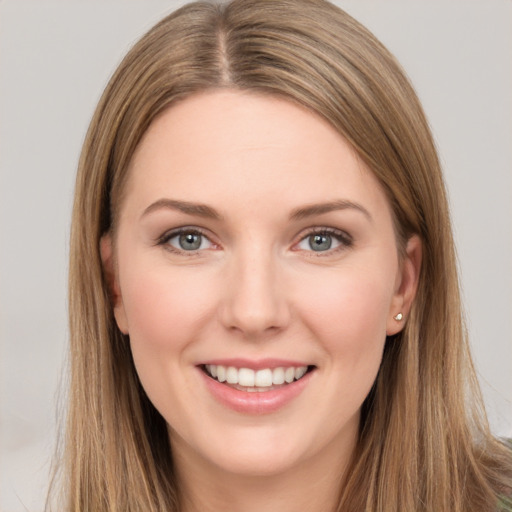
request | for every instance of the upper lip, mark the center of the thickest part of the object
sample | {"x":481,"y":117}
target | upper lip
{"x":255,"y":364}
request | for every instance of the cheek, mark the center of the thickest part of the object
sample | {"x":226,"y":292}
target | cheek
{"x":350,"y":303}
{"x":166,"y":310}
{"x":348,"y":315}
{"x":163,"y":306}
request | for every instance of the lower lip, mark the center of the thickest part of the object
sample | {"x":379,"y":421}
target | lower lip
{"x":257,"y":402}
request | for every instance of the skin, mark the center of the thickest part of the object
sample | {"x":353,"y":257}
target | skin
{"x":256,"y":289}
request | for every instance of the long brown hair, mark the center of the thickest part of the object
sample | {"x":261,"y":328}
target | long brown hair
{"x":424,"y":443}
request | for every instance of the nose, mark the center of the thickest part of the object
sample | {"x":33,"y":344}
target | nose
{"x":255,"y":301}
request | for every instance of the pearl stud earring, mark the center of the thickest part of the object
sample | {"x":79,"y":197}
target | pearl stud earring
{"x":399,"y":317}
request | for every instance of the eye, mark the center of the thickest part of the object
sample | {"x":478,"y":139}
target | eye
{"x":186,"y":240}
{"x":324,"y":240}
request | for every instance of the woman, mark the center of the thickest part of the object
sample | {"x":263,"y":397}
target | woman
{"x":263,"y":297}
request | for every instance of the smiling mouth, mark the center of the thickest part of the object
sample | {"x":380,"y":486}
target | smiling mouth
{"x":246,"y":379}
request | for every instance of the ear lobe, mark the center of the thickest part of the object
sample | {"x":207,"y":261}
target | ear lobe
{"x":407,"y":286}
{"x":109,"y":270}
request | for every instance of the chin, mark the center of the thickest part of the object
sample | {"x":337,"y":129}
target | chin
{"x":256,"y":462}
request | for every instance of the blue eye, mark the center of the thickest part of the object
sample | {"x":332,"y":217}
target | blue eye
{"x":187,"y":240}
{"x":320,"y":242}
{"x":324,"y":241}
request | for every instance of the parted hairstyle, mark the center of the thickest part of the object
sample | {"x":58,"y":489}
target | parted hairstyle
{"x":424,"y":443}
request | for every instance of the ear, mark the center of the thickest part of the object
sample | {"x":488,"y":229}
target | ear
{"x":110,"y":272}
{"x":407,"y":284}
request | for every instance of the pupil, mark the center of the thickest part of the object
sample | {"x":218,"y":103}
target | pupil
{"x":320,"y":242}
{"x":190,"y":241}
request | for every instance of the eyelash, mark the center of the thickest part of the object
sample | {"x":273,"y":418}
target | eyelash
{"x":164,"y":239}
{"x":344,"y":239}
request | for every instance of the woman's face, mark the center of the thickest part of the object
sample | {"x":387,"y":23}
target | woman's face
{"x":253,"y":245}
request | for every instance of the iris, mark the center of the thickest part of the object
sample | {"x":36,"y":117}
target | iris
{"x":320,"y":242}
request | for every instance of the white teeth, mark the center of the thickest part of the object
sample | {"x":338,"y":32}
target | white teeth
{"x":278,"y":376}
{"x":289,"y":374}
{"x":246,"y":377}
{"x":255,"y":380}
{"x":221,"y":373}
{"x":300,"y":371}
{"x":232,"y":375}
{"x":263,"y":378}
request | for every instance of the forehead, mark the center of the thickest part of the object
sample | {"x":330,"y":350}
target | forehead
{"x":228,"y":147}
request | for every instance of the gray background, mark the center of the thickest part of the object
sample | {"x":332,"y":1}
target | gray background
{"x":55,"y":58}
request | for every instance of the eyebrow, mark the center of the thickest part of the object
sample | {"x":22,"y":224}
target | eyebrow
{"x":300,"y":213}
{"x":321,"y":208}
{"x":198,"y":209}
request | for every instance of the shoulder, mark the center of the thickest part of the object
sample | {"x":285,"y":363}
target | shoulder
{"x":505,"y":503}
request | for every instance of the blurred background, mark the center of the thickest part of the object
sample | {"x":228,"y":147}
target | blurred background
{"x":55,"y":59}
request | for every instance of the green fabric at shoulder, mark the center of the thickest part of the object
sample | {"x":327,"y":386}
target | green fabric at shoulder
{"x":505,"y":504}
